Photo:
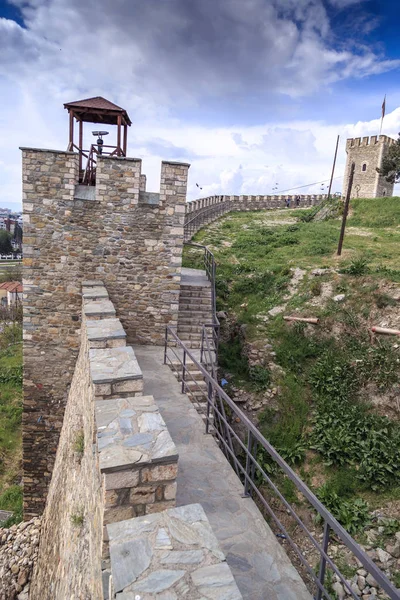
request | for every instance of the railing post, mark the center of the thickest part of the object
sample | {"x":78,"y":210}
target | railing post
{"x":165,"y":345}
{"x":183,"y":371}
{"x":202,"y":345}
{"x":248,"y":465}
{"x":209,"y":398}
{"x":322,"y":566}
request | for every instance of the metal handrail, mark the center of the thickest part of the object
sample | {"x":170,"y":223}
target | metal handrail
{"x":216,"y":419}
{"x":203,"y":216}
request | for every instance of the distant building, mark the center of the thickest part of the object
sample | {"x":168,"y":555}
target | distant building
{"x":10,"y":293}
{"x":367,"y":154}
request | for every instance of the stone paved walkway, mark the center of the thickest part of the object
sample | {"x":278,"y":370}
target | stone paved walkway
{"x":260,"y":566}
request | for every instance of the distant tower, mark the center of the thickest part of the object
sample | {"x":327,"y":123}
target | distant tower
{"x":367,"y":154}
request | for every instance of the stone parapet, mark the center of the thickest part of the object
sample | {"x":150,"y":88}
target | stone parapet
{"x":115,"y":459}
{"x":240,"y":204}
{"x":173,"y":554}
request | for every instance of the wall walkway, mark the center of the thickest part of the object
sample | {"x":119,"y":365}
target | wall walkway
{"x":260,"y":566}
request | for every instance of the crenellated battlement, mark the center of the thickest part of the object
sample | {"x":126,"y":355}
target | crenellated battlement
{"x":368,"y":141}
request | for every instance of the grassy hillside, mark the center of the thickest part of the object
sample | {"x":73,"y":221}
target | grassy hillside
{"x":10,"y":421}
{"x":335,"y":416}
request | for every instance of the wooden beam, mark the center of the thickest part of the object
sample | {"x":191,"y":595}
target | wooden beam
{"x":71,"y":130}
{"x":119,"y":135}
{"x":125,"y":138}
{"x":80,"y":144}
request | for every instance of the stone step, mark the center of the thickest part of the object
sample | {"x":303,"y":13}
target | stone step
{"x":193,"y":328}
{"x":195,"y":294}
{"x":199,"y":321}
{"x":195,"y":306}
{"x":195,"y":287}
{"x":196,"y":375}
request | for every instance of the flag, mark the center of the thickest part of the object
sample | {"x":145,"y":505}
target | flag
{"x":384,"y":106}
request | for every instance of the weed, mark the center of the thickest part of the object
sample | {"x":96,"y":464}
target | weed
{"x":353,"y":514}
{"x":383,"y":300}
{"x":316,"y":288}
{"x":260,"y":377}
{"x":77,"y":519}
{"x":357,"y":267}
{"x":79,"y":443}
{"x":11,"y":500}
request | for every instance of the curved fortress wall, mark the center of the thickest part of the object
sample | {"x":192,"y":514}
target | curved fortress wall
{"x":367,"y":154}
{"x":134,"y":246}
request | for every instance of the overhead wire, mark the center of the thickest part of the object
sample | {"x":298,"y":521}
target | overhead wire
{"x":307,"y":185}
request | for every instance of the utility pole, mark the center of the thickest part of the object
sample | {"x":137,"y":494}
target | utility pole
{"x":346,"y":209}
{"x":333,"y":168}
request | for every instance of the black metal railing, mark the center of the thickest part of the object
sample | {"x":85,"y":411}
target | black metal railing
{"x":203,"y":216}
{"x":244,"y":456}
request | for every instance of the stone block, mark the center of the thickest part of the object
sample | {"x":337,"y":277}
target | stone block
{"x":121,"y":479}
{"x":118,"y":513}
{"x":159,"y":473}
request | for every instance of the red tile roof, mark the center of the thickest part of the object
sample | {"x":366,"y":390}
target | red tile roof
{"x":12,"y":286}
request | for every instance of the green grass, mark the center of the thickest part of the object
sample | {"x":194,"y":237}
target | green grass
{"x":321,"y":403}
{"x":10,"y":429}
{"x":376,"y":212}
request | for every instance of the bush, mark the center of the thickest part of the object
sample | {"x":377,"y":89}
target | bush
{"x":260,"y":377}
{"x":352,"y":514}
{"x":11,"y":499}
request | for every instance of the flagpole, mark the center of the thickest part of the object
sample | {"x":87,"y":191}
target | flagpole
{"x":383,"y":113}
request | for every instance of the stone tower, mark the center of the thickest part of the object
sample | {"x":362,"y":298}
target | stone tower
{"x":367,"y":154}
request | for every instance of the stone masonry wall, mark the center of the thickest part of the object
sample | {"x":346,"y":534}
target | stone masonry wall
{"x":135,"y":248}
{"x":369,"y":152}
{"x":71,"y":537}
{"x":115,"y":459}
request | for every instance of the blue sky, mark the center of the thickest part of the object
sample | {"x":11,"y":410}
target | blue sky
{"x":250,"y":92}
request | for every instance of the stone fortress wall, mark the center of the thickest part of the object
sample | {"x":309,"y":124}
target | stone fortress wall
{"x":134,"y":246}
{"x":245,"y":203}
{"x":115,"y":459}
{"x":367,"y":154}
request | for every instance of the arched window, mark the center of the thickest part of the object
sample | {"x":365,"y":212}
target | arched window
{"x":384,"y":192}
{"x":364,"y":167}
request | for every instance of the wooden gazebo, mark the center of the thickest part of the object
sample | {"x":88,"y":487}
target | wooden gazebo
{"x":101,"y":111}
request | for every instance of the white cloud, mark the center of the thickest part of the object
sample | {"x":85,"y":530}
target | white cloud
{"x":160,"y":58}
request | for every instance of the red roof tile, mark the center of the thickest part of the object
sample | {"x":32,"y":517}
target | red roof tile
{"x":12,"y":286}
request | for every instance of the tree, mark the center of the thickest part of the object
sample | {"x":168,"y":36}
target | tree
{"x":390,"y":168}
{"x":5,"y":242}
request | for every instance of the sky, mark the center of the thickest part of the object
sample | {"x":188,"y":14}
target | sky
{"x":252,"y":93}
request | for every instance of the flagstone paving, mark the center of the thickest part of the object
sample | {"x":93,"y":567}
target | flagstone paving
{"x":173,"y":554}
{"x":259,"y":565}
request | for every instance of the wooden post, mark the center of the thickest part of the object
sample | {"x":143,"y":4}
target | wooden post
{"x":119,"y":135}
{"x":80,"y":144}
{"x":333,"y":168}
{"x":346,"y":209}
{"x":125,"y":138}
{"x":71,"y":131}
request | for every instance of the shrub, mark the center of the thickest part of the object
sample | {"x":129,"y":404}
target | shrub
{"x":352,"y":514}
{"x":260,"y":377}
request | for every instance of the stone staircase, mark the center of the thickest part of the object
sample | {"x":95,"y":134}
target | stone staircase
{"x":195,"y":308}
